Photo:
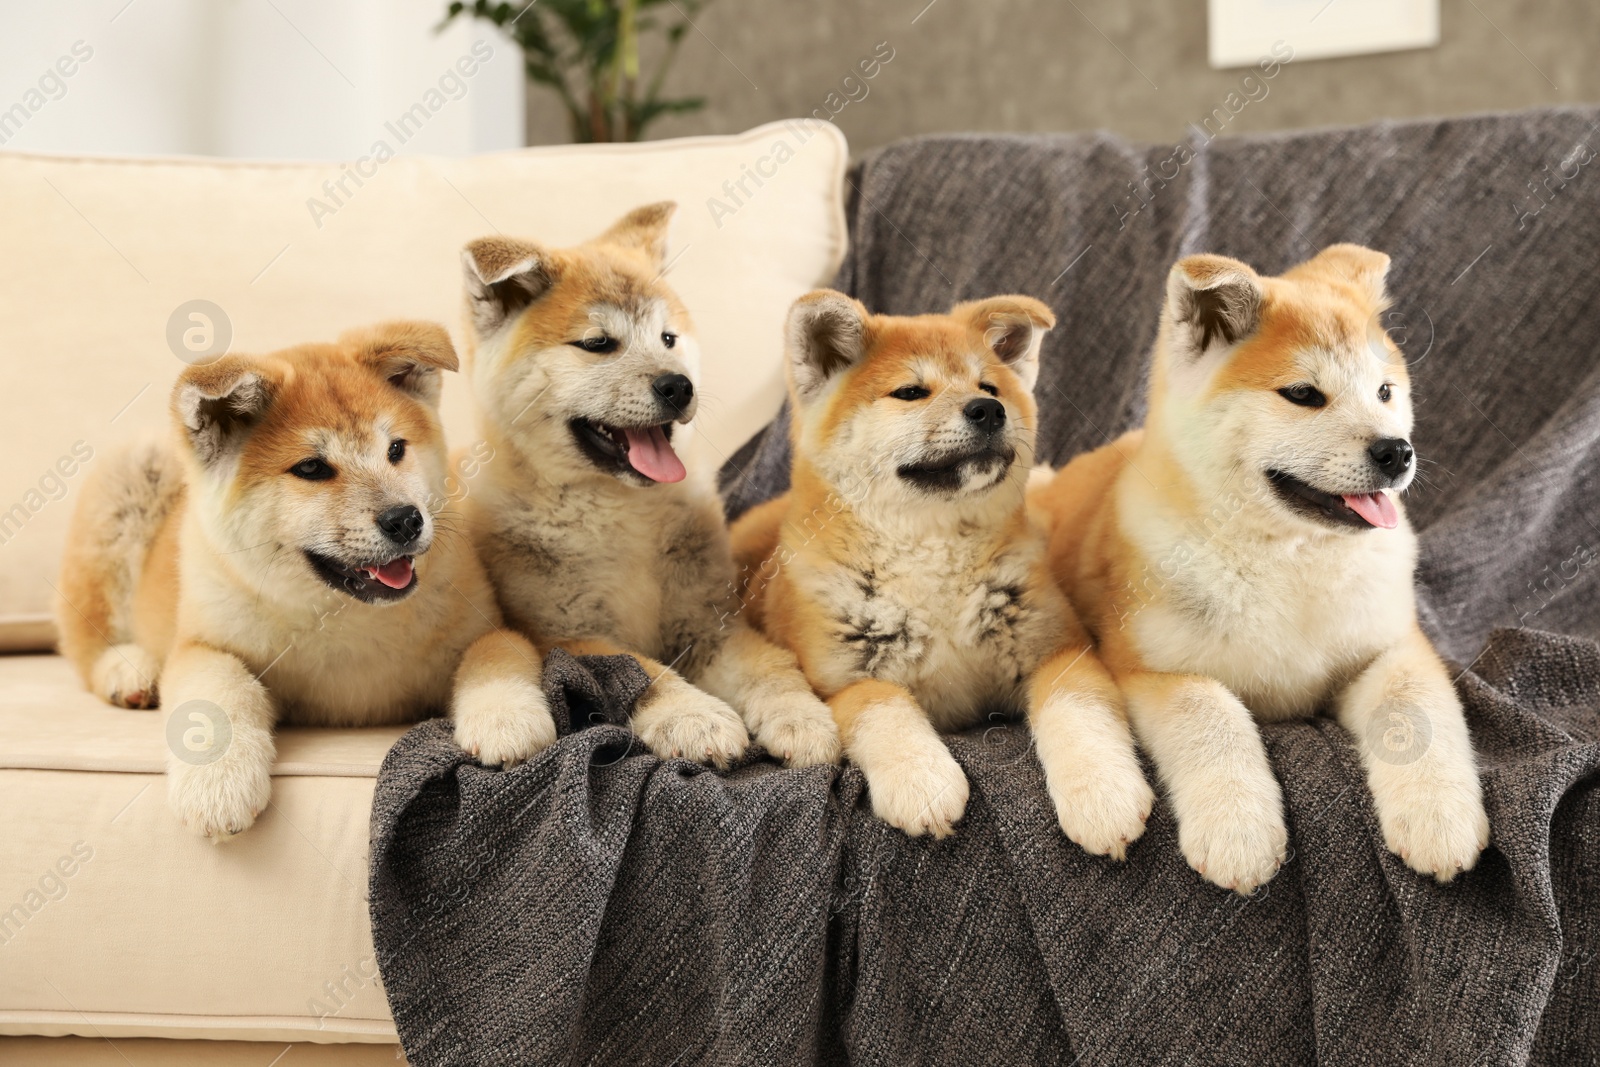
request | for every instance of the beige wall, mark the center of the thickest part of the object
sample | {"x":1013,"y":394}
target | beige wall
{"x":1039,"y":65}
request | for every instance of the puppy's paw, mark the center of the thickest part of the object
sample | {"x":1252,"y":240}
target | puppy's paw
{"x":801,"y":732}
{"x":1102,"y":809}
{"x":502,"y":722}
{"x":922,"y":791}
{"x":1437,"y":828}
{"x":221,"y":799}
{"x":1236,"y":839}
{"x":125,"y":675}
{"x":688,"y":722}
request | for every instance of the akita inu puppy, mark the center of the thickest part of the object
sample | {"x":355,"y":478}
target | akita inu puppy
{"x":1246,"y":552}
{"x":279,"y":561}
{"x":596,"y":537}
{"x":904,"y":571}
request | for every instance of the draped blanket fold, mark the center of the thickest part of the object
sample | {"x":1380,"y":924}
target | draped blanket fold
{"x":599,"y":906}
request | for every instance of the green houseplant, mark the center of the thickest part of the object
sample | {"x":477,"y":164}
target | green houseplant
{"x":587,"y":51}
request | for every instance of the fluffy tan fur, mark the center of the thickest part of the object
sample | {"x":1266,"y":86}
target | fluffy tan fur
{"x":585,"y":550}
{"x":187,"y":570}
{"x":905,"y":573}
{"x":1215,"y":593}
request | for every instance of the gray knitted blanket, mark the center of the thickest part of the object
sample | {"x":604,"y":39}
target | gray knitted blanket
{"x":599,"y":906}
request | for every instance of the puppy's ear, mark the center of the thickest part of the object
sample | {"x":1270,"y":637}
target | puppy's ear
{"x":644,"y":229}
{"x":1013,"y":328}
{"x":217,"y":404}
{"x":1212,"y":301}
{"x":409,"y":355}
{"x":503,"y":276}
{"x":1359,"y":265}
{"x":825,"y":335}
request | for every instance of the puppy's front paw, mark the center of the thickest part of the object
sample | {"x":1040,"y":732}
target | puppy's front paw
{"x":1103,"y":809}
{"x":921,"y":791}
{"x":801,"y":732}
{"x":688,"y":722}
{"x":1236,"y":837}
{"x":1438,"y":828}
{"x":221,"y":799}
{"x":503,"y":722}
{"x":125,"y":675}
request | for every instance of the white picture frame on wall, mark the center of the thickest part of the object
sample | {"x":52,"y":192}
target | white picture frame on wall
{"x":1242,"y":31}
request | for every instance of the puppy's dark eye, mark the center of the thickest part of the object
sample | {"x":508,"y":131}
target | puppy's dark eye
{"x":397,"y":451}
{"x":1385,"y":392}
{"x":1307,"y":396}
{"x":910,"y":392}
{"x":597,"y":343}
{"x":990,"y":389}
{"x":669,"y":338}
{"x":312,"y":470}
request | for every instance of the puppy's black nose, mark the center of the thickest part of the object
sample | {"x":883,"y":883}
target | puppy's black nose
{"x":986,"y":413}
{"x":1392,"y":455}
{"x":676,"y":389}
{"x":402,"y":525}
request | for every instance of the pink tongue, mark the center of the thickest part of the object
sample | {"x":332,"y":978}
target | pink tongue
{"x":396,"y":574}
{"x":1376,"y":508}
{"x":652,"y":456}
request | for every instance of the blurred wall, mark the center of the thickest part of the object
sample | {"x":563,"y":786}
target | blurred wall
{"x":1137,"y":67}
{"x":316,"y":78}
{"x":297,"y":79}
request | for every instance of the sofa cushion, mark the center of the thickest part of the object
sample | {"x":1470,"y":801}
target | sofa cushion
{"x":106,"y":259}
{"x":116,"y":922}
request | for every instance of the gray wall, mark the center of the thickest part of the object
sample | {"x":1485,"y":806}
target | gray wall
{"x":1039,"y":65}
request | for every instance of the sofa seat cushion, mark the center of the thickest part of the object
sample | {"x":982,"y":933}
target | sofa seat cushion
{"x":115,"y":922}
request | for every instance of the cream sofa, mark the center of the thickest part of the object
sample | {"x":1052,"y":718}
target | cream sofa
{"x":115,"y":924}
